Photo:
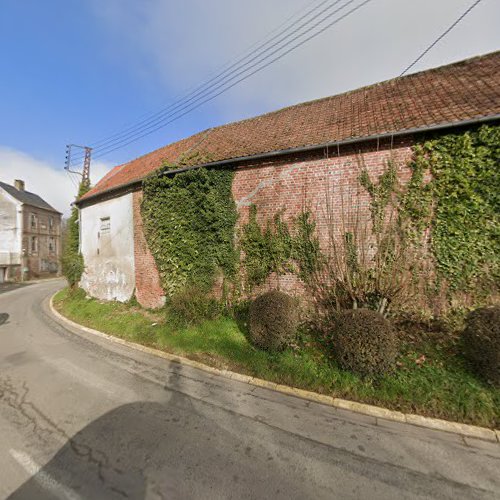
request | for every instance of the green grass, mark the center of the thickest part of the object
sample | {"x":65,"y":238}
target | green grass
{"x":439,"y":387}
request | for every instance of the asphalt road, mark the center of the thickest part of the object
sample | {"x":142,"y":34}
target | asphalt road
{"x":84,"y":418}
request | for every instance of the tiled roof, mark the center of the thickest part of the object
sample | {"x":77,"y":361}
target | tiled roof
{"x":455,"y":93}
{"x":27,"y":198}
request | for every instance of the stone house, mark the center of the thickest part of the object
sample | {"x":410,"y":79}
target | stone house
{"x":283,"y":160}
{"x":30,"y":235}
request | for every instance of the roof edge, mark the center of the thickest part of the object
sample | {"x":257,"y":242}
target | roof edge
{"x":301,"y":149}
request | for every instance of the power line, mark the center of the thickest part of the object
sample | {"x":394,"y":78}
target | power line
{"x":207,"y":86}
{"x":226,"y":86}
{"x":439,"y":38}
{"x":159,"y":123}
{"x":215,"y":82}
{"x":211,"y":97}
{"x":205,"y":96}
{"x":221,"y":70}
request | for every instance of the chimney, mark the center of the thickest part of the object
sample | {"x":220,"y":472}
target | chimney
{"x":19,"y":184}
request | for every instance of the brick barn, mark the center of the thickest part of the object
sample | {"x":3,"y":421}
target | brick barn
{"x":283,"y":160}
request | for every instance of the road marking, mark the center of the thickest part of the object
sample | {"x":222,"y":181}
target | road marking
{"x":44,"y":479}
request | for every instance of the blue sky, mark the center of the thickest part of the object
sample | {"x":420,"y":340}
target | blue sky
{"x":79,"y":70}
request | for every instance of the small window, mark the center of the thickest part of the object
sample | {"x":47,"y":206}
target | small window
{"x":34,"y":244}
{"x":34,"y":221}
{"x":105,"y":225}
{"x":52,"y":245}
{"x":51,"y":222}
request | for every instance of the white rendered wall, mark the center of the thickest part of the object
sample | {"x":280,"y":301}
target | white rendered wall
{"x":108,"y":256}
{"x":10,"y":230}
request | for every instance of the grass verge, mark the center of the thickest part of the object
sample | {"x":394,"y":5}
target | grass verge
{"x":430,"y":380}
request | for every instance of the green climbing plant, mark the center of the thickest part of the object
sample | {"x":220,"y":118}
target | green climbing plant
{"x":189,"y":222}
{"x":461,"y":204}
{"x":72,"y":263}
{"x":265,"y":250}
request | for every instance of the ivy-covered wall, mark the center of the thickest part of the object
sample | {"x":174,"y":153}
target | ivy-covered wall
{"x":465,"y":194}
{"x":449,"y":196}
{"x":200,"y":224}
{"x":189,"y":222}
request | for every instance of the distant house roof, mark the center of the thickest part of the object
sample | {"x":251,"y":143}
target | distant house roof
{"x":449,"y":95}
{"x":27,"y":198}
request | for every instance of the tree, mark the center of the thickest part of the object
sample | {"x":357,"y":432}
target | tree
{"x":72,"y":260}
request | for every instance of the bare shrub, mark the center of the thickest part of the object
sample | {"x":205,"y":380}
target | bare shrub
{"x":368,"y":259}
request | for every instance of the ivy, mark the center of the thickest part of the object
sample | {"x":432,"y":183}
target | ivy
{"x":417,"y":199}
{"x":466,"y":191}
{"x":276,"y":250}
{"x":265,"y":251}
{"x":189,"y":220}
{"x":72,"y":260}
{"x":380,"y":193}
{"x":306,"y":249}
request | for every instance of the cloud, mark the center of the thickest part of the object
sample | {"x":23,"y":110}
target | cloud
{"x":181,"y":43}
{"x":54,"y":185}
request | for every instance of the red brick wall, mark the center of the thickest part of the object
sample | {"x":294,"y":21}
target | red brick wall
{"x":149,"y":292}
{"x":288,"y":184}
{"x":325,"y":184}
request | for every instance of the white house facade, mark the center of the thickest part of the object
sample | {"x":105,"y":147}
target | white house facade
{"x":11,"y":236}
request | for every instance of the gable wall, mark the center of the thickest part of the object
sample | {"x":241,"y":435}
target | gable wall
{"x":108,"y":255}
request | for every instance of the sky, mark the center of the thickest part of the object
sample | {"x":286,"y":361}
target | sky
{"x":79,"y":71}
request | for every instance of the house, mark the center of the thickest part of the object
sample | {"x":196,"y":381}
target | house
{"x":30,"y":235}
{"x":283,"y":157}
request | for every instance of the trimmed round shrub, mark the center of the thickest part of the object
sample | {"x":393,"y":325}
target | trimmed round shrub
{"x":273,"y":320}
{"x":481,"y":340}
{"x":364,"y":342}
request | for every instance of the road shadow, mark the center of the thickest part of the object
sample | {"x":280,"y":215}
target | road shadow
{"x":4,"y":317}
{"x":173,"y":450}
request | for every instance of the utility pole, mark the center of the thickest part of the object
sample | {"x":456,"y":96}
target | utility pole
{"x":85,"y":173}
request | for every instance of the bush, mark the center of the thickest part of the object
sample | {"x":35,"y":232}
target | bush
{"x":72,"y":267}
{"x":481,"y":340}
{"x":273,"y":320}
{"x":191,"y":306}
{"x":363,"y":342}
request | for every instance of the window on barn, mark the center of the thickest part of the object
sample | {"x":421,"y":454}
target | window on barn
{"x":105,"y":225}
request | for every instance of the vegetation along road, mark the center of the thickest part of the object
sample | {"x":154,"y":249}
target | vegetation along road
{"x":81,"y":417}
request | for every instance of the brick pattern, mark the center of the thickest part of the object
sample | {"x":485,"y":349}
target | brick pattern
{"x":312,"y":181}
{"x":326,"y":185}
{"x":446,"y":95}
{"x":149,"y":292}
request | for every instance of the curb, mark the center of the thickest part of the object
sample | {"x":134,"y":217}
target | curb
{"x":365,"y":409}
